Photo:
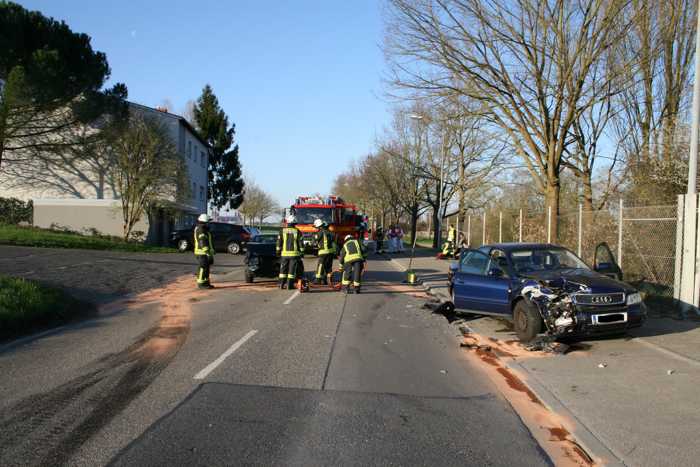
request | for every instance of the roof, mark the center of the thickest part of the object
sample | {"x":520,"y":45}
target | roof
{"x":180,"y":118}
{"x":520,"y":246}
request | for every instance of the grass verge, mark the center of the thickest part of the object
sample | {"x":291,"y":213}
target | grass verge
{"x":27,"y":306}
{"x":44,"y":238}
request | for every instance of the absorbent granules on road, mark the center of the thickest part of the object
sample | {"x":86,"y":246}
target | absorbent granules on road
{"x":551,"y":430}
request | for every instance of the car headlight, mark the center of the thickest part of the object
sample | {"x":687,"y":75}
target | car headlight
{"x":634,"y":299}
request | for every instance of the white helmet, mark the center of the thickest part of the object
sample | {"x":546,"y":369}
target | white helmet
{"x":318,"y":223}
{"x":348,"y":237}
{"x":291,"y":219}
{"x":204,"y":218}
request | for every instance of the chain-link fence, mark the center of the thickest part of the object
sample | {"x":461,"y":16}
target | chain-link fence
{"x":643,"y":238}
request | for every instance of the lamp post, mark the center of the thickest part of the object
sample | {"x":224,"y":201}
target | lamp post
{"x":693,"y":157}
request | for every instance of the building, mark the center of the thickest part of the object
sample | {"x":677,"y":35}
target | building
{"x":82,"y":208}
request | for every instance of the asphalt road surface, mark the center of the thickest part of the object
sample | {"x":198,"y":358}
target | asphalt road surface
{"x":255,"y":376}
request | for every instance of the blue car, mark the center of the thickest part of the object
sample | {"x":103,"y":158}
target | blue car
{"x":546,"y":288}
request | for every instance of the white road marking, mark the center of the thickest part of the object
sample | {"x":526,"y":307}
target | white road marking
{"x":212,"y":366}
{"x":289,"y":300}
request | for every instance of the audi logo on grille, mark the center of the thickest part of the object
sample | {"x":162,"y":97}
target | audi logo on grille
{"x":602,"y":299}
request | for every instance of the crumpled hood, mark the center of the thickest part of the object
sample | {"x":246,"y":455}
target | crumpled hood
{"x":596,"y":281}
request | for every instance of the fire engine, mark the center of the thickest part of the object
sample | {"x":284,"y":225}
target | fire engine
{"x":341,"y":217}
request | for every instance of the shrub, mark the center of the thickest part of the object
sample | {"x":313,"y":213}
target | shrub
{"x":14,"y":211}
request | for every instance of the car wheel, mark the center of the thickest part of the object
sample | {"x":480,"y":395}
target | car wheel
{"x":249,"y":277}
{"x":527,"y":321}
{"x":234,"y":248}
{"x":183,"y":245}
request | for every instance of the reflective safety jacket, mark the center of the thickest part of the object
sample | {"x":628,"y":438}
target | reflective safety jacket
{"x":203,"y":243}
{"x":452,"y":234}
{"x":289,"y":243}
{"x":351,"y":252}
{"x":325,"y":242}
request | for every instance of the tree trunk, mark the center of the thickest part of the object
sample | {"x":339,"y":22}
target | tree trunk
{"x":436,"y":228}
{"x":552,"y":199}
{"x":101,"y":185}
{"x":414,"y":222}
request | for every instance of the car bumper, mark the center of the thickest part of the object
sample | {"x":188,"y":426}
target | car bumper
{"x":590,"y":322}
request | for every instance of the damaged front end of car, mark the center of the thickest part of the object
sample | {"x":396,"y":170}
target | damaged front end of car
{"x":555,"y":302}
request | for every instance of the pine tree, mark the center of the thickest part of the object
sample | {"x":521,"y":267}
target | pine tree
{"x":225,"y":180}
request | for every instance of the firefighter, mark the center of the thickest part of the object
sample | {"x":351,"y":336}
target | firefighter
{"x":203,"y":251}
{"x":380,"y":240}
{"x":290,"y":248}
{"x":448,"y":249}
{"x":326,"y":252}
{"x":352,"y":260}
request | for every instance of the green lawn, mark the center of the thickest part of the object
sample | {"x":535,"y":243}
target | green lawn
{"x":32,"y":236}
{"x":26,"y":306}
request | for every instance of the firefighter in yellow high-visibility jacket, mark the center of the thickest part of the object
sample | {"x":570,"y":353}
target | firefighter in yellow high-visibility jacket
{"x":290,"y":249}
{"x":326,"y":252}
{"x":352,"y":261}
{"x":203,"y":251}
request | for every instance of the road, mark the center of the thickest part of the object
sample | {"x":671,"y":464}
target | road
{"x":256,"y":375}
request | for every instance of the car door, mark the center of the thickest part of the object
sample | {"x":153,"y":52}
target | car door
{"x":219,"y":234}
{"x":477,"y":287}
{"x":604,"y":262}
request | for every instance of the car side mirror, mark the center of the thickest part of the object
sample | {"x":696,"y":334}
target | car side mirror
{"x":495,"y":272}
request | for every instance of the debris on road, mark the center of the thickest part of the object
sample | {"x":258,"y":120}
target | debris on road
{"x":670,"y":372}
{"x":602,"y":365}
{"x":547,"y":344}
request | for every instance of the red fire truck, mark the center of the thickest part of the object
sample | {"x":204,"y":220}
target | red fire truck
{"x":342,"y":218}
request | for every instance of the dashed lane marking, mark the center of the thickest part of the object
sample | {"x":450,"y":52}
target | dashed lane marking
{"x":212,"y":366}
{"x":289,"y":300}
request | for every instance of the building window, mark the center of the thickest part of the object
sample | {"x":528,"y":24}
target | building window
{"x":201,"y":193}
{"x":201,"y":158}
{"x":189,"y":149}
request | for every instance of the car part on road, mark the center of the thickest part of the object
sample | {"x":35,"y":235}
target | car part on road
{"x":183,"y":245}
{"x":249,"y":277}
{"x":234,"y":248}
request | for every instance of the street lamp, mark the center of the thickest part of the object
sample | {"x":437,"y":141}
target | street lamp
{"x":693,"y":158}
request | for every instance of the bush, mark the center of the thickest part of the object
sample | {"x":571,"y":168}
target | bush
{"x":27,"y":306}
{"x":14,"y":211}
{"x":46,"y":238}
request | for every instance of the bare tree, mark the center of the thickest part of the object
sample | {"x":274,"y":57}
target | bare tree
{"x":528,"y":62}
{"x":257,"y":205}
{"x":148,"y":170}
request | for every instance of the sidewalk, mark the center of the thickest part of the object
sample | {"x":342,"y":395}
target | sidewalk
{"x":642,"y":406}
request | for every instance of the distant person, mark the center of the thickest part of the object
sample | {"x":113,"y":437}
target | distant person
{"x":203,"y":251}
{"x":461,"y":244}
{"x":392,"y":239}
{"x":399,"y":238}
{"x":379,"y":237}
{"x":448,"y":248}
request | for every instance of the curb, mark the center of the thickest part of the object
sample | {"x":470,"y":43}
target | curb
{"x":583,"y":436}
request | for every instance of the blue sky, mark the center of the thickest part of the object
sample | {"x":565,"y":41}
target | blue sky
{"x":301,"y":79}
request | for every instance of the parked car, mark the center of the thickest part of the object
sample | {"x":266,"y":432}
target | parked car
{"x":546,"y":287}
{"x":227,"y":237}
{"x":261,"y":258}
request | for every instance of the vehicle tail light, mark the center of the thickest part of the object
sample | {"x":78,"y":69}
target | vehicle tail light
{"x":245,"y":236}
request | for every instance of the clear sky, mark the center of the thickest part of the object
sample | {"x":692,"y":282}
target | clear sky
{"x":301,"y":79}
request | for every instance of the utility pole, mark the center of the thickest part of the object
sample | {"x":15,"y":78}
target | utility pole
{"x":693,"y":158}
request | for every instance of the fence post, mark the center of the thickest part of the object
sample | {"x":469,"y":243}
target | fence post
{"x":483,"y":230}
{"x":549,"y":224}
{"x":469,"y":230}
{"x":580,"y":228}
{"x":679,"y":249}
{"x":520,"y":229}
{"x":690,"y":217}
{"x":500,"y":226}
{"x":619,"y":234}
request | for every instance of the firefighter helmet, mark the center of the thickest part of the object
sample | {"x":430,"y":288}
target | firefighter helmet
{"x":348,"y":237}
{"x":291,"y":219}
{"x":204,"y":218}
{"x":318,"y":223}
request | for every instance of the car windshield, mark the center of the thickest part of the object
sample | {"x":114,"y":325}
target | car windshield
{"x":268,"y":238}
{"x":545,"y":259}
{"x":309,"y":215}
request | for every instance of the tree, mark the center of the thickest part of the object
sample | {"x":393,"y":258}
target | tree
{"x":257,"y":204}
{"x":527,"y":62}
{"x":225,"y":180}
{"x":50,"y":82}
{"x":147,"y":169}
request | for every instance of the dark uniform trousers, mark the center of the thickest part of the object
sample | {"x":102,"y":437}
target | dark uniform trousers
{"x":352,"y":273}
{"x":203,"y":270}
{"x":324,"y":266}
